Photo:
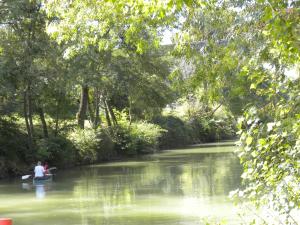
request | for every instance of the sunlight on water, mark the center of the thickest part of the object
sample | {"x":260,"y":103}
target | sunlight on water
{"x":182,"y":186}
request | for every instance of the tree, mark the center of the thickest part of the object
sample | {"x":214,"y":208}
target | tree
{"x":23,"y":28}
{"x":248,"y":57}
{"x":95,"y":41}
{"x":270,"y":131}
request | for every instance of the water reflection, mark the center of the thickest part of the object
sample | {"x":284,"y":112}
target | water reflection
{"x":166,"y":186}
{"x":40,"y":191}
{"x":26,"y":186}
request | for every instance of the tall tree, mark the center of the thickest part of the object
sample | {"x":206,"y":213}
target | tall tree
{"x":24,"y":23}
{"x":129,"y":26}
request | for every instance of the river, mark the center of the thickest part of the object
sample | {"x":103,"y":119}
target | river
{"x":184,"y":186}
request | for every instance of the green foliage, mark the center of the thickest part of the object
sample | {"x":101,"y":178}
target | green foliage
{"x":236,"y":53}
{"x":56,"y":151}
{"x":106,"y":146}
{"x":177,"y":132}
{"x":196,"y":129}
{"x":12,"y":141}
{"x":13,"y":149}
{"x":204,"y":45}
{"x":270,"y":127}
{"x":137,"y":138}
{"x":109,"y":24}
{"x":209,"y":130}
{"x":138,"y":83}
{"x":240,"y":52}
{"x":92,"y":145}
{"x":270,"y":150}
{"x":86,"y":142}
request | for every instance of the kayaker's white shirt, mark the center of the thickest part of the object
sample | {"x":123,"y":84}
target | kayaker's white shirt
{"x":39,"y":171}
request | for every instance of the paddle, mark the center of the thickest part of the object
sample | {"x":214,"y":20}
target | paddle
{"x":25,"y":177}
{"x":52,"y":168}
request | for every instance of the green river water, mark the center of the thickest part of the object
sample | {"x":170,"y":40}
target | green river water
{"x":185,"y":186}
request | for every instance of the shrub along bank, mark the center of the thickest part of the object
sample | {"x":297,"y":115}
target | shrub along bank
{"x":195,"y":130}
{"x":76,"y":146}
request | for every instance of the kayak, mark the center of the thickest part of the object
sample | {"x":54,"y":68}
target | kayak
{"x":46,"y":178}
{"x":42,"y":180}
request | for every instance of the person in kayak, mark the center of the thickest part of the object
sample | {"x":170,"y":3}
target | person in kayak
{"x":46,"y":168}
{"x":39,"y":171}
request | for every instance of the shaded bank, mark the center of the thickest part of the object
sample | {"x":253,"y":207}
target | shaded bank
{"x":75,"y":146}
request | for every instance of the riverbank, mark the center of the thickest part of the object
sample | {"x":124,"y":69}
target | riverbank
{"x":74,"y":146}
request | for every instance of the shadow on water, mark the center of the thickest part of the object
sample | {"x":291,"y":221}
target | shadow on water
{"x":173,"y":187}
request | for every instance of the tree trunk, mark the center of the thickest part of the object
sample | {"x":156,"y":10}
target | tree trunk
{"x":91,"y":112}
{"x":206,"y":100}
{"x":97,"y":112}
{"x":112,"y":114}
{"x":30,"y":114}
{"x":81,"y":115}
{"x":56,"y":119}
{"x":43,"y":121}
{"x":107,"y":114}
{"x":214,"y":110}
{"x":29,"y":134}
{"x":129,"y":111}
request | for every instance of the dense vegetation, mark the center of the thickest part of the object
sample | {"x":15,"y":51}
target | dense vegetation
{"x":85,"y":81}
{"x":76,"y":96}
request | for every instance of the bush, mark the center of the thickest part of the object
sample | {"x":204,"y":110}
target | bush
{"x":137,"y":138}
{"x":13,"y":143}
{"x":209,"y":130}
{"x":177,"y":133}
{"x":14,"y":152}
{"x":56,"y":150}
{"x":92,"y":145}
{"x":144,"y":137}
{"x":86,"y":142}
{"x":195,"y":130}
{"x":106,"y":146}
{"x":226,"y":129}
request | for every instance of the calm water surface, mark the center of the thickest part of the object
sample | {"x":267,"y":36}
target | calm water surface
{"x":184,"y":186}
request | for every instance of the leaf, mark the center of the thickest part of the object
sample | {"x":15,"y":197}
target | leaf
{"x":249,"y":140}
{"x":254,"y":154}
{"x":188,"y":2}
{"x":262,"y":141}
{"x":253,"y":86}
{"x":270,"y":126}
